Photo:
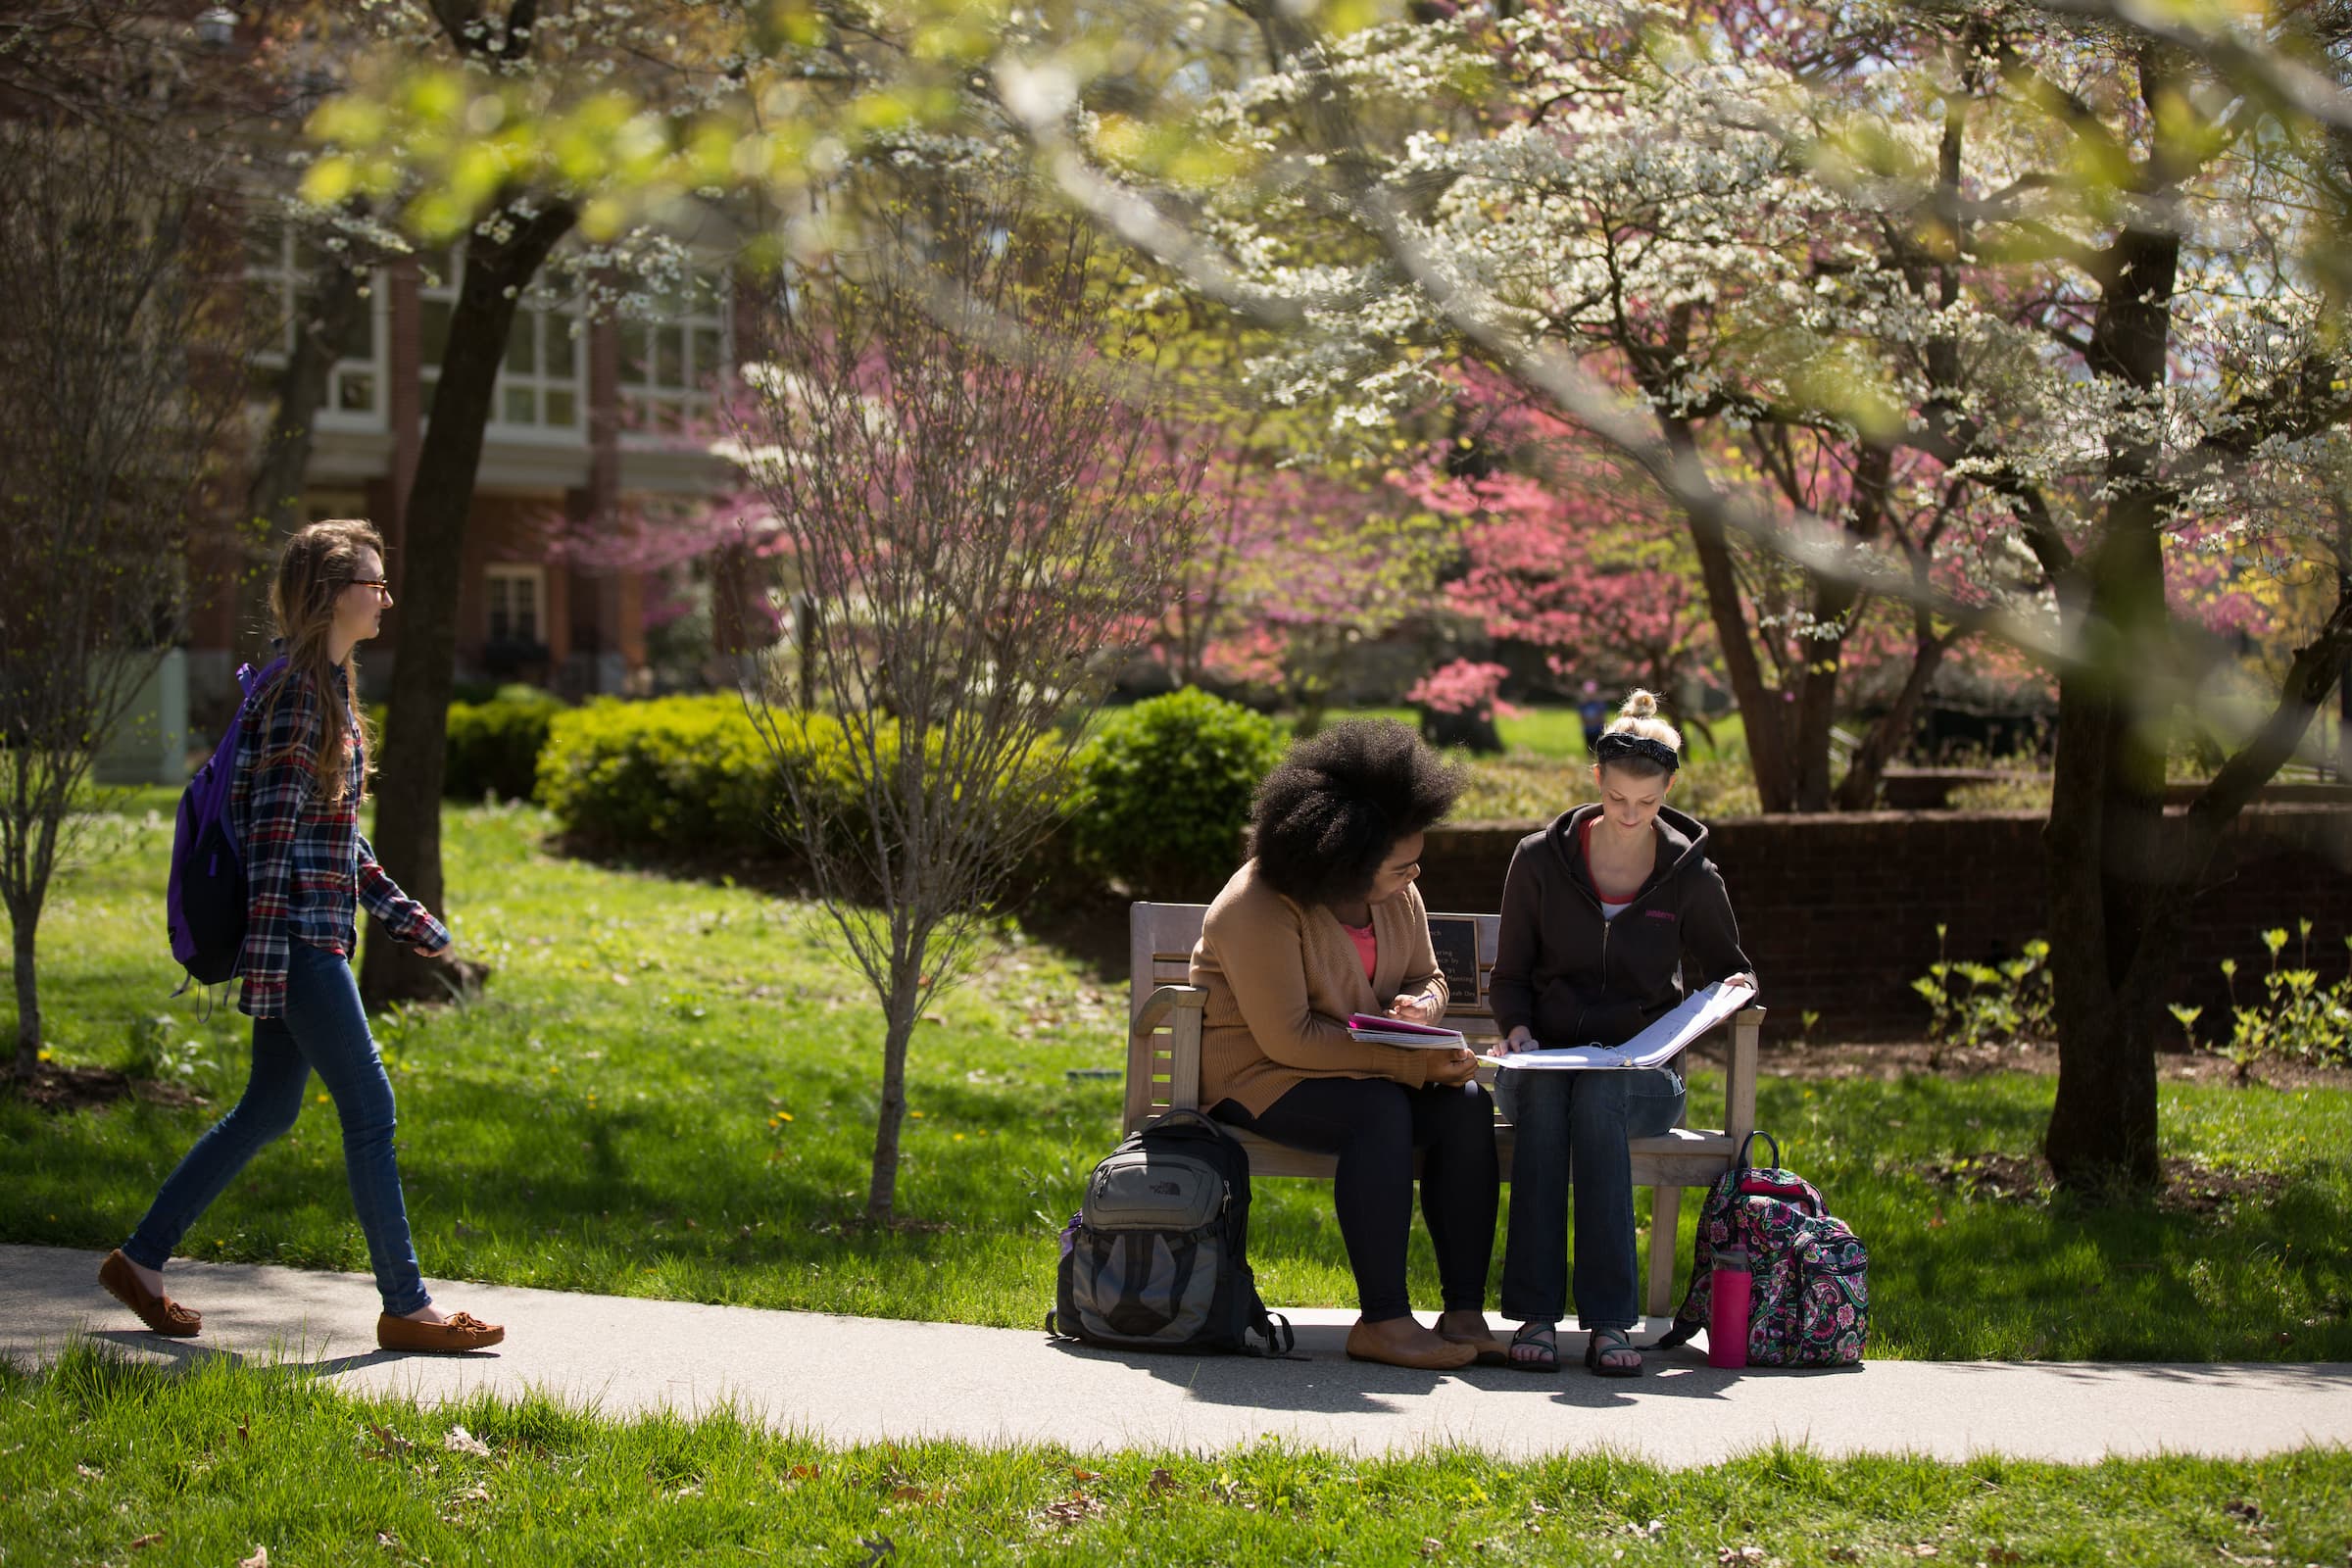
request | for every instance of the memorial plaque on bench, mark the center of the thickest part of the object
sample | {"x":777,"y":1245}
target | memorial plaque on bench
{"x":1455,"y":939}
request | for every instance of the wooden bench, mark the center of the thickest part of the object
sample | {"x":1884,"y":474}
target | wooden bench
{"x":1163,"y":1066}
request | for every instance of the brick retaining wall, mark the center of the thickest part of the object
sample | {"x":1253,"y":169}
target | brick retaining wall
{"x":1840,"y":912}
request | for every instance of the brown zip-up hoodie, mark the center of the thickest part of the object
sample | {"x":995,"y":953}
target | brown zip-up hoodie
{"x":1575,"y":978}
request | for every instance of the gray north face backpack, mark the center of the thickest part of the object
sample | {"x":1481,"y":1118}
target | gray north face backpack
{"x":1157,"y":1258}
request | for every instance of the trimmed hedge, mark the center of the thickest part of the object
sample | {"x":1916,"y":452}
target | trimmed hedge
{"x":674,"y":773}
{"x":1157,"y":798}
{"x":494,"y":746}
{"x":1163,"y":792}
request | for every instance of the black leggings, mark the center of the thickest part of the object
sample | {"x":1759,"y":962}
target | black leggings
{"x":1374,"y":1127}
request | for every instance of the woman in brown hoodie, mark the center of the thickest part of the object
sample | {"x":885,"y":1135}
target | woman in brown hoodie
{"x":1321,"y":922}
{"x":1608,"y":915}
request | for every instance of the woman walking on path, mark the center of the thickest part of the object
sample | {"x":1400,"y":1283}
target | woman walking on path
{"x":1608,"y":916}
{"x":301,"y":770}
{"x":1321,"y":922}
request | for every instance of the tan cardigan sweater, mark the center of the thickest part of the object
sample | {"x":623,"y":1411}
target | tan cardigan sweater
{"x":1282,"y":979}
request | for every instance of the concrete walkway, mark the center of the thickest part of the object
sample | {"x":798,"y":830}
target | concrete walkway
{"x":862,"y":1379}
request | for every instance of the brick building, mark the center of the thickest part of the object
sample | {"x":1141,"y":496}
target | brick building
{"x":583,"y":425}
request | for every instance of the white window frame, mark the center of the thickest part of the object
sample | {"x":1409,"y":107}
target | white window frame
{"x":514,"y":572}
{"x":543,"y":321}
{"x":704,"y":325}
{"x":285,"y":278}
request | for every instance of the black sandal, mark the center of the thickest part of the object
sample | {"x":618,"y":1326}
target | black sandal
{"x":1619,"y":1340}
{"x":1545,"y":1338}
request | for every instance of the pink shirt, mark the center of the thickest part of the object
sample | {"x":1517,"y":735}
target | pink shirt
{"x":1366,"y":947}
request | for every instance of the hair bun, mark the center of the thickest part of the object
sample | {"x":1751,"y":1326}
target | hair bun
{"x":1639,"y":703}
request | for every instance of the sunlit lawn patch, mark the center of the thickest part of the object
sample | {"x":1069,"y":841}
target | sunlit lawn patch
{"x":114,"y":1464}
{"x":667,"y":1089}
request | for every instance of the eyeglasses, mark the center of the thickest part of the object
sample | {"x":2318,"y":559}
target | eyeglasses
{"x":376,"y":584}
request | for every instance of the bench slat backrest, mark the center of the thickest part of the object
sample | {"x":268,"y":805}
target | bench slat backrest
{"x":1164,"y":1060}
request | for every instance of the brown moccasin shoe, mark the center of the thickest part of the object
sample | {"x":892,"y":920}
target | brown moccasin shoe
{"x":1432,"y":1354}
{"x":461,"y":1331}
{"x":159,"y":1312}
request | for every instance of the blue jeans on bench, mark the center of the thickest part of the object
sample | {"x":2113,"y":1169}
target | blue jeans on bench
{"x":1578,"y":1124}
{"x":324,"y":1028}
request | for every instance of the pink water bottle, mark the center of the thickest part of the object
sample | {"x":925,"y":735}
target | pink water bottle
{"x":1729,"y":1287}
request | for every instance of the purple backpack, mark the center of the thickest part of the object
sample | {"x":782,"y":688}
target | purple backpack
{"x":204,"y":902}
{"x":1810,"y":1304}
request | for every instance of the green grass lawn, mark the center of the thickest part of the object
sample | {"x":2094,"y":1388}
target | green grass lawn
{"x":668,"y":1089}
{"x":108,"y":1462}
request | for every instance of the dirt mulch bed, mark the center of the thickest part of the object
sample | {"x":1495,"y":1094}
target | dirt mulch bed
{"x":1900,"y":1058}
{"x":2188,"y":1186}
{"x":64,"y":1090}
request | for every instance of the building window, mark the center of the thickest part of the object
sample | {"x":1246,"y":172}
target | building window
{"x":542,"y":384}
{"x":517,"y":596}
{"x":672,"y":361}
{"x":286,"y":263}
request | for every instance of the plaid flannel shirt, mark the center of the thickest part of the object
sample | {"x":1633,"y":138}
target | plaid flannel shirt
{"x":308,"y":866}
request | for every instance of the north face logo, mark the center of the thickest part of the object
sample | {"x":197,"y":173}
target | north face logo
{"x":1167,"y":1189}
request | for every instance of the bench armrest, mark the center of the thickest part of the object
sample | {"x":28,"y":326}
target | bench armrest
{"x":1177,"y":1010}
{"x":1163,"y":1001}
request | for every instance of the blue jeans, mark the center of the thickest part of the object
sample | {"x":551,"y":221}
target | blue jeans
{"x":324,"y":1028}
{"x":1572,"y":1128}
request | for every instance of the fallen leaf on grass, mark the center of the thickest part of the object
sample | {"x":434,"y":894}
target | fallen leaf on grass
{"x":1430,"y":1546}
{"x":388,"y":1540}
{"x":1086,"y":1475}
{"x":90,"y":1472}
{"x":1927,"y":1548}
{"x":2240,"y":1508}
{"x":459,"y":1440}
{"x":393,"y":1441}
{"x":145,"y":1542}
{"x":259,"y":1559}
{"x":1732,"y":1554}
{"x":244,"y":1429}
{"x":1074,"y":1509}
{"x":1162,"y":1481}
{"x":908,"y":1495}
{"x":806,"y":1472}
{"x":2003,"y":1555}
{"x":1845,"y":1555}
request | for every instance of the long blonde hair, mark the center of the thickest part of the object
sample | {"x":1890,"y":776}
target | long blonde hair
{"x":318,"y":561}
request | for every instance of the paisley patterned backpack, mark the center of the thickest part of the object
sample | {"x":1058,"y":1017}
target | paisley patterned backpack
{"x":1811,"y":1301}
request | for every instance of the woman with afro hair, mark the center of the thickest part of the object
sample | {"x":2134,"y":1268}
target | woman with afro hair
{"x":1320,"y":923}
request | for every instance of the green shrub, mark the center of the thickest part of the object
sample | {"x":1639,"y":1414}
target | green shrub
{"x":1164,"y":791}
{"x":494,"y":746}
{"x":679,"y":774}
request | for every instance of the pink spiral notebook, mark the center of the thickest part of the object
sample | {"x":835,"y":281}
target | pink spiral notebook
{"x":1375,"y":1029}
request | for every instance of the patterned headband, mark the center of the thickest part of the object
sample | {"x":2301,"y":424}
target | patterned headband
{"x":1618,"y":744}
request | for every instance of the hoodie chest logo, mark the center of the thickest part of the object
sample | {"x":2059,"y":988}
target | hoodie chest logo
{"x":1658,"y":914}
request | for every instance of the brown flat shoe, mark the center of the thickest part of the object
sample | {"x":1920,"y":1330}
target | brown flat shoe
{"x":462,"y":1331}
{"x":1489,"y":1351}
{"x":1445,"y":1357}
{"x":160,"y":1314}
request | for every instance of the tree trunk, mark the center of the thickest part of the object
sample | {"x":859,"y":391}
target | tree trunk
{"x":882,"y":1188}
{"x":1761,"y":706}
{"x":2116,"y":880}
{"x":321,"y":338}
{"x":28,"y":996}
{"x":1858,"y":791}
{"x":407,"y":820}
{"x":1817,"y":698}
